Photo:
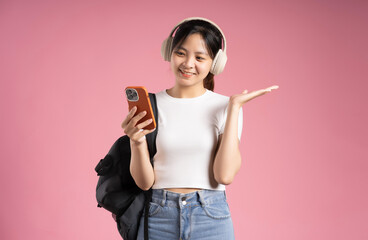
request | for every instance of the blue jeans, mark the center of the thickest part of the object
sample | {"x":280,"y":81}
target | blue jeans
{"x":200,"y":215}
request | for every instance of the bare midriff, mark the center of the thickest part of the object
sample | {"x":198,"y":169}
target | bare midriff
{"x":183,"y":190}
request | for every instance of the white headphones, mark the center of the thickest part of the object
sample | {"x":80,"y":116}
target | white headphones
{"x":220,"y":59}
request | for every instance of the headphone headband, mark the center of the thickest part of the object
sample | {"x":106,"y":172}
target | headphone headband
{"x":206,"y":20}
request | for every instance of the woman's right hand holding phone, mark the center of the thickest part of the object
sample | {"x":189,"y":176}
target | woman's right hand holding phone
{"x":135,"y":131}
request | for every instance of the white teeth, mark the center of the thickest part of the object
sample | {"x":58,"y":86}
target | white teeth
{"x":188,"y":73}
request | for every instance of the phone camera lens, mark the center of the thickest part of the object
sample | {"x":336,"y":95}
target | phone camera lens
{"x":132,"y":94}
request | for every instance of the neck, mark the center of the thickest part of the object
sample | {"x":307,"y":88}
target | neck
{"x":180,"y":92}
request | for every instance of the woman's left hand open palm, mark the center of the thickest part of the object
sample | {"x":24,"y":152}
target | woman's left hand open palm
{"x":240,"y":99}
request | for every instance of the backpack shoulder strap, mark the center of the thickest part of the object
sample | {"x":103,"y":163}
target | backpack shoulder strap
{"x":151,"y":142}
{"x":151,"y":138}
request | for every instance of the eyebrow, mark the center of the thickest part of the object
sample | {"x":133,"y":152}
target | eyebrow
{"x":195,"y":52}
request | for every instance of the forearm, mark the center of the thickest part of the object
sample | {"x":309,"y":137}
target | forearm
{"x":140,"y":165}
{"x":228,"y":158}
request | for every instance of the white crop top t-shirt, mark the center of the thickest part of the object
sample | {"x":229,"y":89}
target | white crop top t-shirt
{"x":188,"y":130}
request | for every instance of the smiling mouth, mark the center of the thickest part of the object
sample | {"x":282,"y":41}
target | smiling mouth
{"x":186,"y":74}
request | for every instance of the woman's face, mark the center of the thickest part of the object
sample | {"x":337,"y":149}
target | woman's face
{"x":191,"y":61}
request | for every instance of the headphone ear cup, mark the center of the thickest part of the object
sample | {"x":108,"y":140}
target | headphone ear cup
{"x":166,"y":48}
{"x":219,"y":62}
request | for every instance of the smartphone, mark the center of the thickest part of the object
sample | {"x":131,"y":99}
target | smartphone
{"x":138,"y":96}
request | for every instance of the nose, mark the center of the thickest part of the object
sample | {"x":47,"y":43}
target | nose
{"x":189,"y":62}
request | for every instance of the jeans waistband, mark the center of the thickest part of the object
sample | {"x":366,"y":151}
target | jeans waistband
{"x":173,"y":199}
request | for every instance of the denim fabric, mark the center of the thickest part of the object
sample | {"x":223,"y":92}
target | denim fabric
{"x":200,"y":215}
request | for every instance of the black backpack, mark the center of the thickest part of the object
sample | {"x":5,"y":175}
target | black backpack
{"x":116,"y":190}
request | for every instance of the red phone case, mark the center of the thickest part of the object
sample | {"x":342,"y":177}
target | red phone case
{"x":143,"y":103}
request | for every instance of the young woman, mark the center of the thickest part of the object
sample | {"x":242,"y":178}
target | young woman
{"x":197,"y":140}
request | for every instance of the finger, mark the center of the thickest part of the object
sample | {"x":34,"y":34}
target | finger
{"x":258,"y":92}
{"x":142,"y":133}
{"x":245,"y":91}
{"x":132,"y":112}
{"x":255,"y":94}
{"x":128,"y":117}
{"x":140,"y":127}
{"x":147,"y":131}
{"x":271,"y":88}
{"x":135,"y":119}
{"x":144,"y":124}
{"x":263,"y":91}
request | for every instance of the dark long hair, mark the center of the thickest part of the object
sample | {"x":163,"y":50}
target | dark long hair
{"x":211,"y":36}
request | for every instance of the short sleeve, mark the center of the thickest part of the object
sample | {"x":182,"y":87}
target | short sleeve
{"x":240,"y":123}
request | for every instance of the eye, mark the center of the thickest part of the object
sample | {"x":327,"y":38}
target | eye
{"x":200,"y":58}
{"x":179,"y":53}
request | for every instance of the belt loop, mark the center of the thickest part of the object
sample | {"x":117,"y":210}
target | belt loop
{"x":201,"y":197}
{"x":164,"y":192}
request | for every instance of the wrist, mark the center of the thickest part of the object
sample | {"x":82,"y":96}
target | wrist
{"x":233,"y":106}
{"x":139,"y":142}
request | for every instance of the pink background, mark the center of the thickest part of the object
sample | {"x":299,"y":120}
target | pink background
{"x":63,"y":68}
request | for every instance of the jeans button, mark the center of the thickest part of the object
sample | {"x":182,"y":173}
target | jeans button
{"x":183,"y":200}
